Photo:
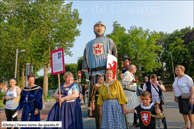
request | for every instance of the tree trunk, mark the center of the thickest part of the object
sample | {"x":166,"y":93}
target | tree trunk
{"x":45,"y":80}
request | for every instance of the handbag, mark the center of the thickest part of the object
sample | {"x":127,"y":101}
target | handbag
{"x":184,"y":95}
{"x":160,"y":96}
{"x":4,"y":101}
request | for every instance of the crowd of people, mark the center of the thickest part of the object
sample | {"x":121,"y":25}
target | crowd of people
{"x":116,"y":104}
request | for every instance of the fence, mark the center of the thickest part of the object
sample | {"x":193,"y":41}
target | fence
{"x":168,"y":87}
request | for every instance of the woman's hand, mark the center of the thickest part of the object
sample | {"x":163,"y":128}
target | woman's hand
{"x":160,"y":86}
{"x":100,"y":110}
{"x":17,"y":112}
{"x":175,"y":99}
{"x":191,"y":100}
{"x":3,"y":97}
{"x":93,"y":106}
{"x":125,"y":111}
{"x":36,"y":111}
{"x":6,"y":97}
{"x":60,"y":99}
{"x":80,"y":97}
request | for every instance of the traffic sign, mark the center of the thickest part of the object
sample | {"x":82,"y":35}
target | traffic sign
{"x":79,"y":74}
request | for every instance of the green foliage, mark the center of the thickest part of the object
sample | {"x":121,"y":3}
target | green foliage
{"x":53,"y":79}
{"x":1,"y":103}
{"x":79,"y":67}
{"x":1,"y":95}
{"x":14,"y":34}
{"x":1,"y":99}
{"x":73,"y":69}
{"x":138,"y":46}
{"x":39,"y":27}
{"x":182,"y":53}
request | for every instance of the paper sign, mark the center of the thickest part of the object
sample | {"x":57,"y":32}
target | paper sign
{"x":57,"y":61}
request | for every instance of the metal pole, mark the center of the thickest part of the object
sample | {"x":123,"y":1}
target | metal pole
{"x":16,"y":60}
{"x":172,"y":66}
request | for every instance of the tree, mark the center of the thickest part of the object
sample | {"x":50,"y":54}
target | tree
{"x":181,"y":48}
{"x":53,"y":79}
{"x":138,"y":45}
{"x":14,"y":34}
{"x":79,"y":67}
{"x":51,"y":25}
{"x":162,"y":43}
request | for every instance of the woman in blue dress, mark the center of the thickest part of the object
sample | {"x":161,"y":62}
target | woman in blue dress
{"x":30,"y":101}
{"x":70,"y":110}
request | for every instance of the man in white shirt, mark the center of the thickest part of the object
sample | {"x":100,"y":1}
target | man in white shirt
{"x":130,"y":86}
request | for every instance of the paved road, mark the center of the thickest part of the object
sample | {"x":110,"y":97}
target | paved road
{"x":174,"y":119}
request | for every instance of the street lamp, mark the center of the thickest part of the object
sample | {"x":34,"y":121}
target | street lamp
{"x":16,"y":60}
{"x":172,"y":63}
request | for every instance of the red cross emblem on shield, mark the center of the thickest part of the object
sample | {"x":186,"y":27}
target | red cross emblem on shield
{"x":98,"y":49}
{"x":145,"y":117}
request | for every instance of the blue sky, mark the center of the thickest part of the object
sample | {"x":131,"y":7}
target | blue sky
{"x":165,"y":16}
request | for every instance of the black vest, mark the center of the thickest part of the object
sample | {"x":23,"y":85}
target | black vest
{"x":148,"y":84}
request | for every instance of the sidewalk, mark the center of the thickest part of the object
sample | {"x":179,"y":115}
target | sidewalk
{"x":43,"y":113}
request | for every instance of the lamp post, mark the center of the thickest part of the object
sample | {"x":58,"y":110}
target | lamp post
{"x":172,"y":63}
{"x":16,"y":60}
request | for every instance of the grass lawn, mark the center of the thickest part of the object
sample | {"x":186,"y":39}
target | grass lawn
{"x":1,"y":103}
{"x":49,"y":97}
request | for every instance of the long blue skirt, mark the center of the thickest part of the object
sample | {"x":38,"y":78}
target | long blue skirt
{"x":112,"y":116}
{"x":70,"y":115}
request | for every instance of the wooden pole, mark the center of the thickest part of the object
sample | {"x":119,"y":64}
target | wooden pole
{"x":59,"y":93}
{"x":59,"y":84}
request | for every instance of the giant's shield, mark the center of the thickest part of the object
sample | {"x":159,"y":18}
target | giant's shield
{"x":112,"y":63}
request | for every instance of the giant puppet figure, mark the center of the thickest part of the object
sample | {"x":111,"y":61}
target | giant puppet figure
{"x":95,"y":56}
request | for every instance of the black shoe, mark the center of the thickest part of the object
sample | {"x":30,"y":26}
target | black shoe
{"x":136,"y":124}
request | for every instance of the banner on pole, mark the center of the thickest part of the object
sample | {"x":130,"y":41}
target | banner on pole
{"x":112,"y":63}
{"x":57,"y":61}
